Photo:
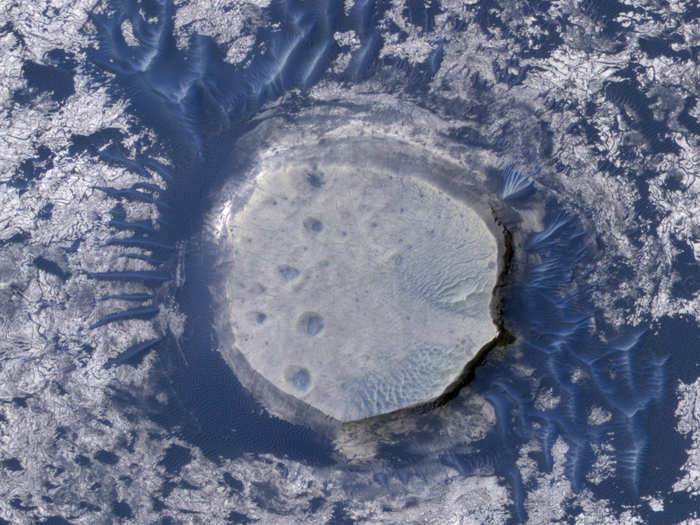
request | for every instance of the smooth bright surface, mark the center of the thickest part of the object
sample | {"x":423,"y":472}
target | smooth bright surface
{"x":360,"y":292}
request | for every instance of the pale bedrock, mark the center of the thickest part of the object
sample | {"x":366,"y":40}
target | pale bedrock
{"x":358,"y":291}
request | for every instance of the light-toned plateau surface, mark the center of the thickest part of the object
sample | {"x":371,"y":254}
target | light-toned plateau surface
{"x":358,"y":291}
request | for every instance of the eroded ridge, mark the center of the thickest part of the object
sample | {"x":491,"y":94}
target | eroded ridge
{"x":356,"y":290}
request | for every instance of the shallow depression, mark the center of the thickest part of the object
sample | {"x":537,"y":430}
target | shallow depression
{"x":377,"y":286}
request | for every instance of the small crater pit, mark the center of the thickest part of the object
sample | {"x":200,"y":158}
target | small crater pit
{"x":310,"y":323}
{"x":298,"y":378}
{"x":313,"y":225}
{"x":315,"y":179}
{"x":256,"y":317}
{"x":288,"y":273}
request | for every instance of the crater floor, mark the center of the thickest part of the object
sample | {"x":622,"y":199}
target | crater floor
{"x":357,"y":290}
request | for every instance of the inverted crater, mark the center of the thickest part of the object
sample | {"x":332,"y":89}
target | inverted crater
{"x":376,"y":286}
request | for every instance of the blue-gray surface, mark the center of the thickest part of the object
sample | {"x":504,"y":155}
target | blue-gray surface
{"x":122,"y":119}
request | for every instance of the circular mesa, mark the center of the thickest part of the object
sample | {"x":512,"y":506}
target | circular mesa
{"x":377,"y":284}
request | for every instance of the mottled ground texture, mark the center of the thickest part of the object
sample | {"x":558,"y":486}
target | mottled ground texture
{"x":598,"y":100}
